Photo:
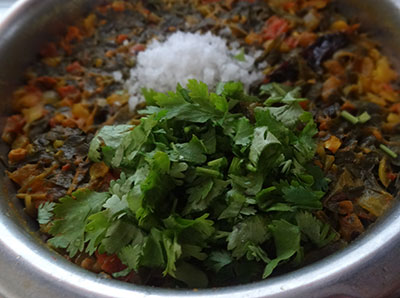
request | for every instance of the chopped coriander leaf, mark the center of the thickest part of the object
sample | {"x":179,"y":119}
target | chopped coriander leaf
{"x":319,"y":233}
{"x":71,"y":216}
{"x":218,"y":260}
{"x":244,"y":132}
{"x":199,"y":182}
{"x":302,"y":196}
{"x":281,"y":94}
{"x":264,"y":142}
{"x":191,"y":275}
{"x":287,"y":243}
{"x":252,"y":230}
{"x":110,"y":137}
{"x":45,"y":212}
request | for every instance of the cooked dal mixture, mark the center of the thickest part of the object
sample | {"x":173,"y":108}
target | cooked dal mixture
{"x":205,"y":143}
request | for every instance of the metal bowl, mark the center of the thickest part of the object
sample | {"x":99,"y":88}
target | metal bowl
{"x":369,"y":267}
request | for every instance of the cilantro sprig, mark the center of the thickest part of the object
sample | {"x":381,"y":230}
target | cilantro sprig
{"x":213,"y":186}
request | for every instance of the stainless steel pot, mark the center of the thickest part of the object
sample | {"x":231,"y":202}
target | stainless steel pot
{"x":369,"y":267}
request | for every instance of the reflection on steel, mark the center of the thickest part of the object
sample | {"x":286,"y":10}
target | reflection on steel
{"x":4,"y":6}
{"x":369,"y":267}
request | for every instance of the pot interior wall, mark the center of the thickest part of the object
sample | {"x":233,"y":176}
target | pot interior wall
{"x":380,"y":19}
{"x":20,"y":39}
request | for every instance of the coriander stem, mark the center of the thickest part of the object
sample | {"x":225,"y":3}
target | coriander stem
{"x":218,"y":162}
{"x":281,"y":91}
{"x":251,"y":168}
{"x":234,"y":168}
{"x":208,"y":172}
{"x":349,"y":117}
{"x":388,"y":151}
{"x":364,"y":117}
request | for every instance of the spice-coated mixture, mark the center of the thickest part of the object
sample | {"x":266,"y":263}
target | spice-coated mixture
{"x":206,"y":185}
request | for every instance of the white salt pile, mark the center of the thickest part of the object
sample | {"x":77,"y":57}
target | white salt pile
{"x":186,"y":56}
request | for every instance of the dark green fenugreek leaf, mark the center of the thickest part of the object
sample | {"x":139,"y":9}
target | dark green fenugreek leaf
{"x":244,"y":132}
{"x":193,"y":151}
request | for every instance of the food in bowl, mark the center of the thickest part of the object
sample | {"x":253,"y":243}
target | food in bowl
{"x":277,"y":147}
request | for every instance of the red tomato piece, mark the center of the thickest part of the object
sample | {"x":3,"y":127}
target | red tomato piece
{"x":275,"y":27}
{"x":109,"y":263}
